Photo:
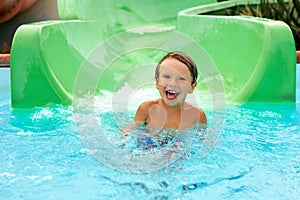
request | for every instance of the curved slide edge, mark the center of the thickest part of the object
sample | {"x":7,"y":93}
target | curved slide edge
{"x":256,"y":57}
{"x":45,"y":58}
{"x":126,"y":14}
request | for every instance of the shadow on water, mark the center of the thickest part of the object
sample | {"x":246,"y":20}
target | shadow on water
{"x":200,"y":185}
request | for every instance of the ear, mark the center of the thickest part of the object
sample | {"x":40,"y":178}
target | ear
{"x":192,"y":87}
{"x":156,"y":84}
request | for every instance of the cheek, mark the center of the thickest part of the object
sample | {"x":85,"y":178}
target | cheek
{"x":186,"y":87}
{"x":184,"y":84}
{"x":161,"y":82}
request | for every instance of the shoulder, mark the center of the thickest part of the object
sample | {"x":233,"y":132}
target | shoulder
{"x":199,"y":112}
{"x":202,"y":116}
{"x":143,"y":110}
{"x":147,"y":104}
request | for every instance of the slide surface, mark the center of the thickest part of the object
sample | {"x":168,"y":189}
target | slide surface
{"x":255,"y":58}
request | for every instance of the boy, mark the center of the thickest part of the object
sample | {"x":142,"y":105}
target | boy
{"x":176,"y":76}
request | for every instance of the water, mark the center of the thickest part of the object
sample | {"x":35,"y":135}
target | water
{"x":256,"y":157}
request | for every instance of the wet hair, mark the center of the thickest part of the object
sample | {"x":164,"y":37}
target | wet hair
{"x":185,"y":59}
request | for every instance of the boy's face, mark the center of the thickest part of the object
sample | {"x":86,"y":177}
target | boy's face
{"x":174,"y":82}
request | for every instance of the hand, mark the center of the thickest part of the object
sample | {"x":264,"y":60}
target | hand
{"x":123,"y":135}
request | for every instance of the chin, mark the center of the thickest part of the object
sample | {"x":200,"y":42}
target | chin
{"x":172,"y":103}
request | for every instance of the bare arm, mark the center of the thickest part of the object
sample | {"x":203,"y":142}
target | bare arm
{"x":202,"y":117}
{"x":142,"y":113}
{"x":139,"y":119}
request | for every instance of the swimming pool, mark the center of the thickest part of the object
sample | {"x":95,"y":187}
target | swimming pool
{"x":256,"y":157}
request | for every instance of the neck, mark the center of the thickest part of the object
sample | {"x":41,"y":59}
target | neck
{"x":178,"y":107}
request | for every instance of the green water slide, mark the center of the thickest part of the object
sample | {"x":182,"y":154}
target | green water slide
{"x":107,"y":39}
{"x":255,"y":56}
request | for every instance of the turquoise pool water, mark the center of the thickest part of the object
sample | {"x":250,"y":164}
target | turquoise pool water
{"x":256,"y":157}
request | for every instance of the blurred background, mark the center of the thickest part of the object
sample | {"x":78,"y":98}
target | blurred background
{"x":14,"y":13}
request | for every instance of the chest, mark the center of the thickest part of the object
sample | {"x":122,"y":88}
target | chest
{"x":159,"y":118}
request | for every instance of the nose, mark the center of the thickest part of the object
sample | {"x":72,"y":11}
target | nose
{"x":172,"y":82}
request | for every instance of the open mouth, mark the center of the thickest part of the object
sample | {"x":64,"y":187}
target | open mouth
{"x":171,"y":95}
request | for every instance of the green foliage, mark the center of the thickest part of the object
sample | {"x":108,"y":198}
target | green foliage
{"x":286,"y":11}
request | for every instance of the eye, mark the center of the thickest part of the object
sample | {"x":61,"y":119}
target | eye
{"x":167,"y":76}
{"x":182,"y":78}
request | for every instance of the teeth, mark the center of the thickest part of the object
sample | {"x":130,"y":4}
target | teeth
{"x":172,"y":92}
